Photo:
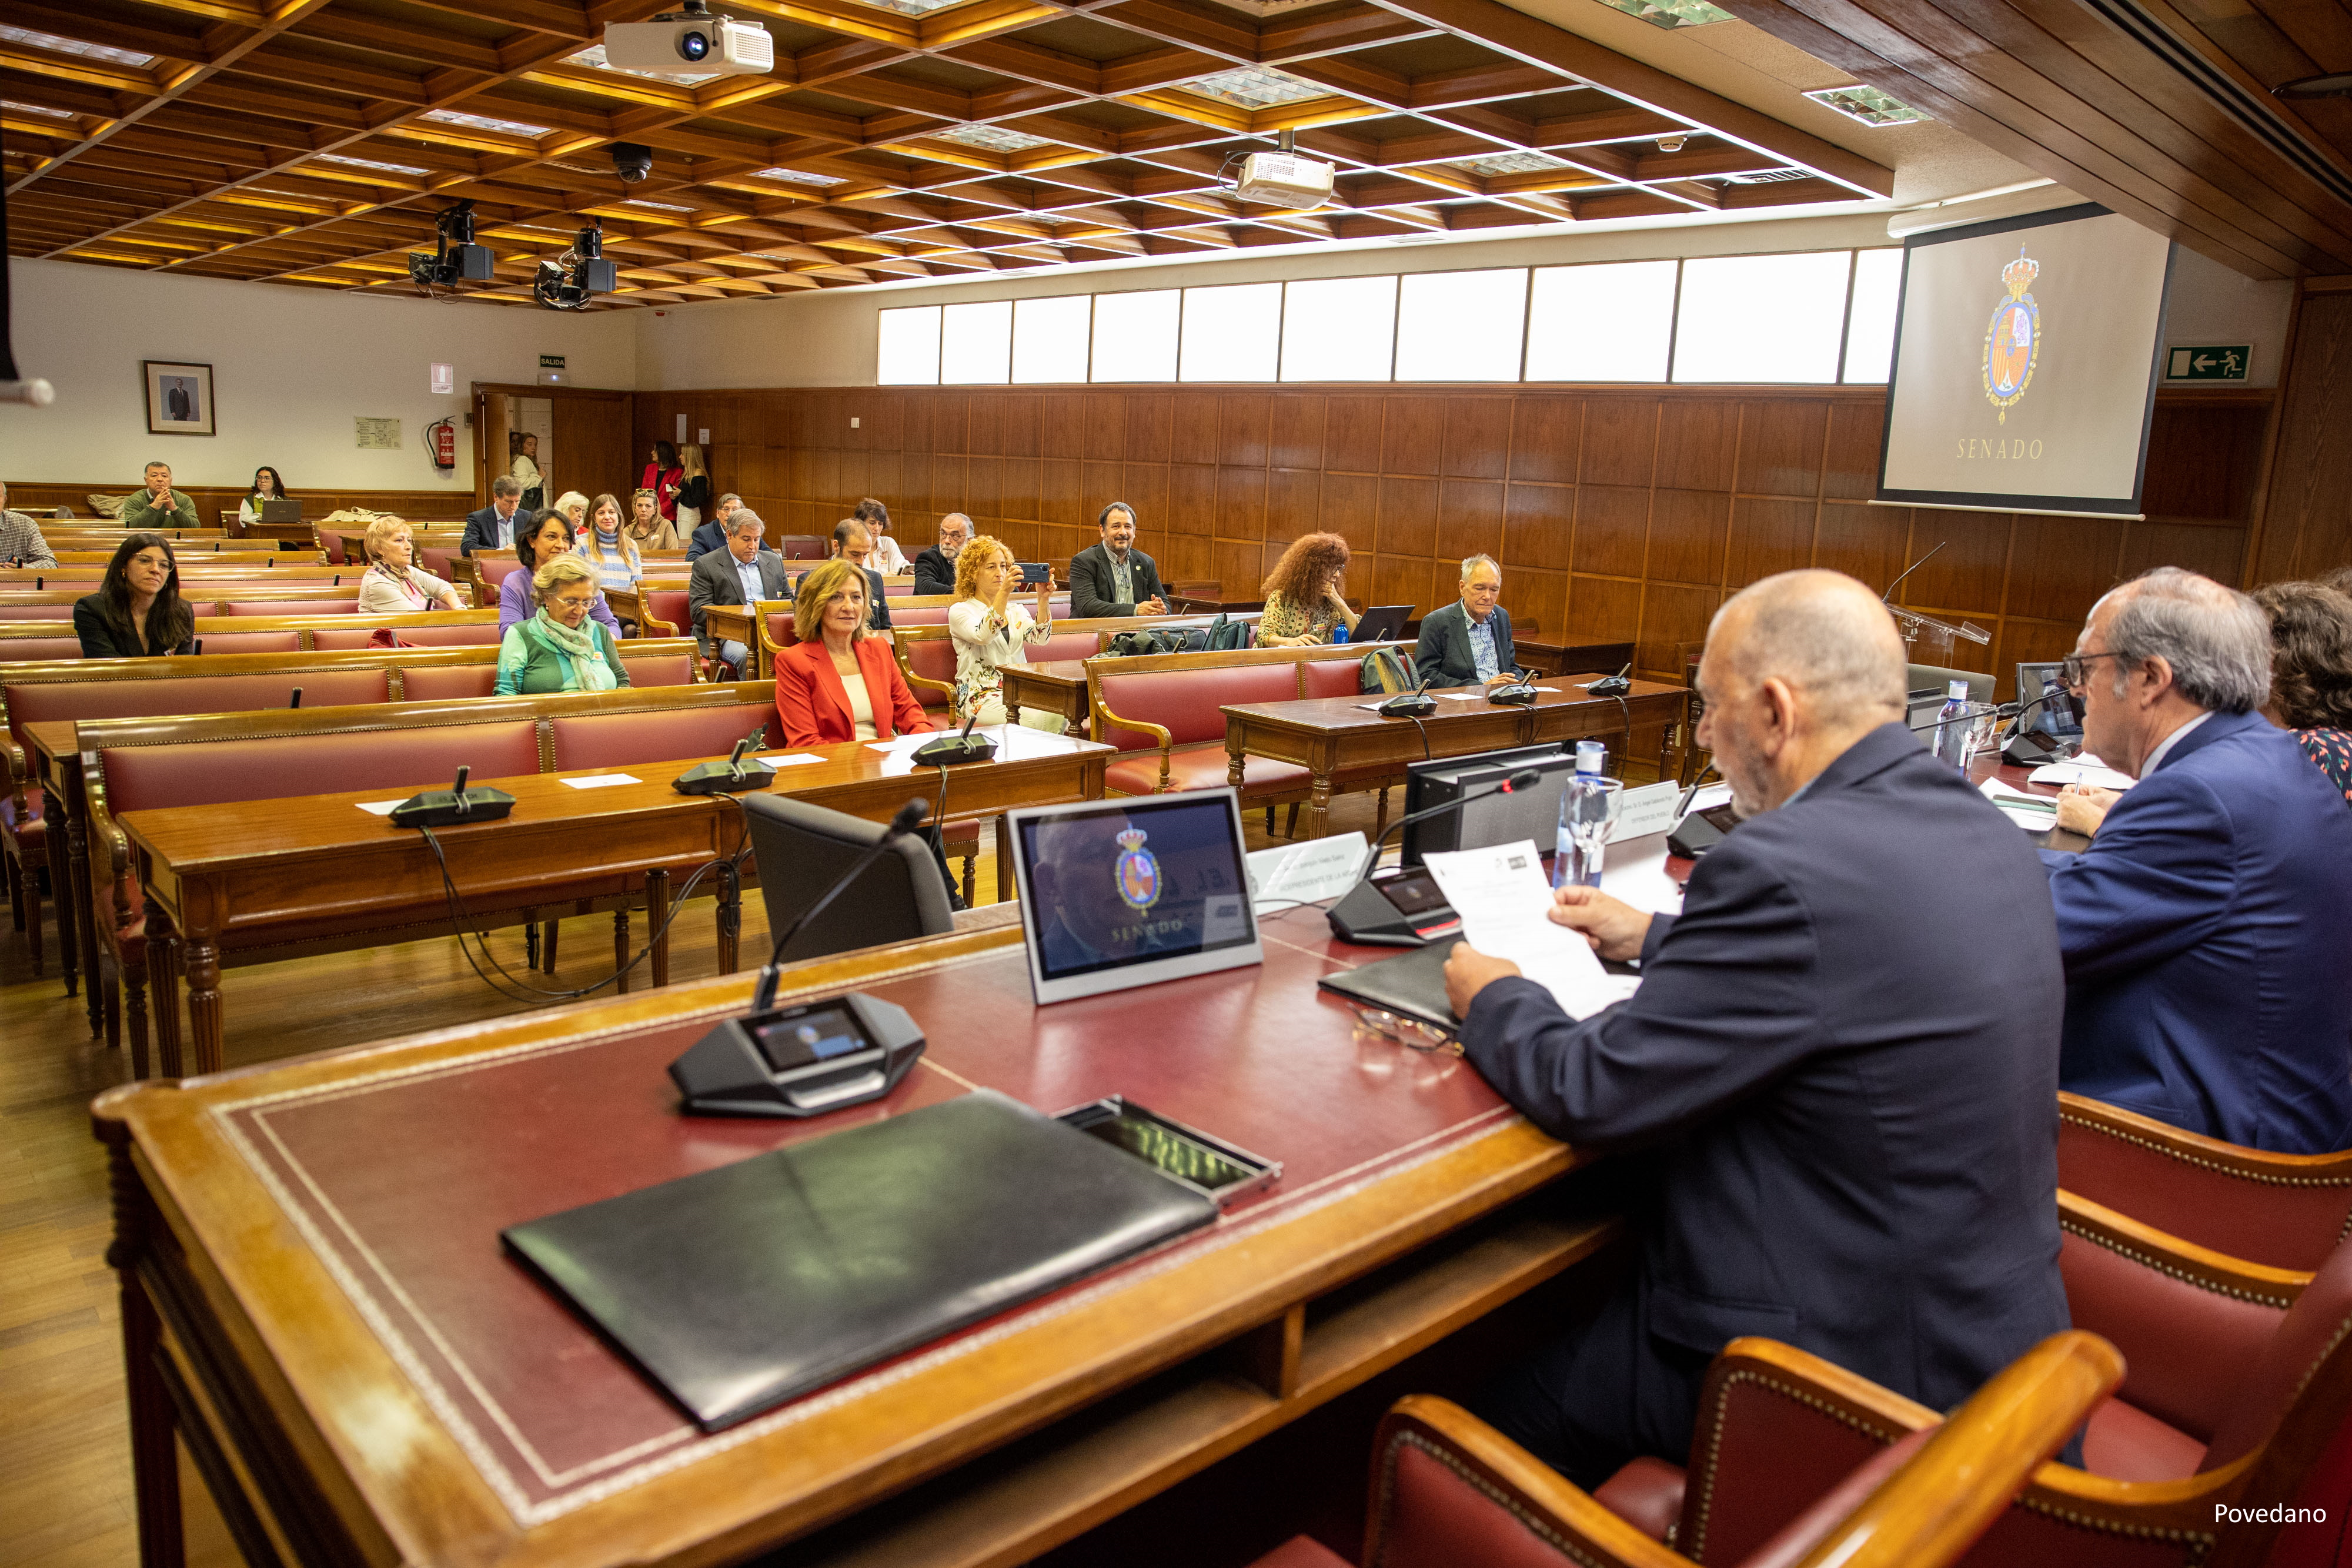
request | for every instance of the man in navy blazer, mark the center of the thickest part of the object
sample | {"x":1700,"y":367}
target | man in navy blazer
{"x":495,"y":526}
{"x":1467,"y":641}
{"x":1843,"y":1059}
{"x":2209,"y":953}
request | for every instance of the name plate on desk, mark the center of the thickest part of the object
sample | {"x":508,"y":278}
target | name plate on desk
{"x":1640,"y":812}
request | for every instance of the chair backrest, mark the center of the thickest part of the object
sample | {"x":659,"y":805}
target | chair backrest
{"x":36,"y":611}
{"x":616,"y":740}
{"x":934,"y":659}
{"x":290,"y":606}
{"x":205,"y":773}
{"x":803,"y":848}
{"x":2320,"y":1319}
{"x":801,"y":547}
{"x":454,"y":681}
{"x":1185,"y":702}
{"x":496,"y":568}
{"x":254,"y":642}
{"x":1062,"y":645}
{"x":1330,"y":677}
{"x":42,"y":702}
{"x":43,"y":648}
{"x":660,"y":669}
{"x":667,"y":605}
{"x":474,"y":636}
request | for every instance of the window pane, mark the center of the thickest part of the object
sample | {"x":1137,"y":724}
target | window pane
{"x":1870,"y":321}
{"x":976,"y":342}
{"x":1461,"y":326}
{"x":1613,"y":322}
{"x":1135,"y":336}
{"x":908,"y":351}
{"x":1761,"y":318}
{"x":1049,"y":338}
{"x":1339,"y":329}
{"x":1232,"y":334}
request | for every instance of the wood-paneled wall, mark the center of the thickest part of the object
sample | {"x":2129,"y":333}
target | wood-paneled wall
{"x":1617,"y":513}
{"x":2307,"y":519}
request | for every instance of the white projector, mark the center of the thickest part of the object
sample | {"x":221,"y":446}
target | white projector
{"x":691,"y":41}
{"x":1281,"y":179}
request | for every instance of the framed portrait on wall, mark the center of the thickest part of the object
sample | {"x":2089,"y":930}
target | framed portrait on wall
{"x":178,"y":398}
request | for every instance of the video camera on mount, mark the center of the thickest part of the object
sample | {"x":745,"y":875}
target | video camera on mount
{"x":567,"y":282}
{"x":458,"y":259}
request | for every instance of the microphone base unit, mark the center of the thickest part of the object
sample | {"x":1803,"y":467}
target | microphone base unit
{"x":1515,"y":695}
{"x":801,"y":1059}
{"x":718,"y":778}
{"x":1610,"y":687}
{"x":1403,"y":911}
{"x":1700,"y":831}
{"x":950,"y":750}
{"x":447,"y":809}
{"x":1409,"y":705}
{"x":2031,"y":748}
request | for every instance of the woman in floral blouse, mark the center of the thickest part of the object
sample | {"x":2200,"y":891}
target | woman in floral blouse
{"x":991,"y":630}
{"x":1303,"y":601}
{"x":2311,"y":672}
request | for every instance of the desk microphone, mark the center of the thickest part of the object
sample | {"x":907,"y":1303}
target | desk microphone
{"x":452,"y":806}
{"x":1519,"y":691}
{"x":1615,"y":685}
{"x":722,"y":778}
{"x":963,"y":746}
{"x":1415,"y":704}
{"x":909,"y":816}
{"x":1367,"y":914}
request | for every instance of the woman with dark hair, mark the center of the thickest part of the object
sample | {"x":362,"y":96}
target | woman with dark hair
{"x":2311,"y":672}
{"x":1303,"y":601}
{"x":267,"y":485}
{"x":137,"y":612}
{"x":885,"y":557}
{"x":545,"y":537}
{"x":663,"y":476}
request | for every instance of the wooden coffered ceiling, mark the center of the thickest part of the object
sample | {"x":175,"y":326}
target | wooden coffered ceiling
{"x":2165,"y":110}
{"x":310,"y":141}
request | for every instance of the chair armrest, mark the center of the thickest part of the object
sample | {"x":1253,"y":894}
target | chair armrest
{"x":1431,"y":1450}
{"x":2286,"y":1210}
{"x":2183,"y":1260}
{"x":1104,"y":716}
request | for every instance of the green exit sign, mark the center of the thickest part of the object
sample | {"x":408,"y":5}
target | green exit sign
{"x":2219,"y":363}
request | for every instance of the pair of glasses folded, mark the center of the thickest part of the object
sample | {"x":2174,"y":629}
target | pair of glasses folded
{"x":1410,"y":1033}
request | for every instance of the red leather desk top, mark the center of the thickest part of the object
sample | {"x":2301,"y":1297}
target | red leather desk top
{"x":402,"y":1180}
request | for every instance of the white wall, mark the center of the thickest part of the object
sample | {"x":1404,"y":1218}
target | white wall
{"x":291,"y":367}
{"x":2207,"y":304}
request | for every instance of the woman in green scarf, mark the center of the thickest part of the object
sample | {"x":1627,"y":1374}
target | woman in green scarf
{"x":560,"y":649}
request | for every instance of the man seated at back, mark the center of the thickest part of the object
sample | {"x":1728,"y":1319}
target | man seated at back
{"x":744,"y":572}
{"x":494,"y":526}
{"x":158,"y":507}
{"x":712,"y":534}
{"x":2208,"y":950}
{"x":21,"y":543}
{"x":1111,"y":577}
{"x":1469,"y":641}
{"x":853,"y":544}
{"x":1843,"y":1058}
{"x":935,"y":567}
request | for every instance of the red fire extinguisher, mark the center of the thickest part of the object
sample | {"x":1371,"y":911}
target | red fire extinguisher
{"x":442,"y":438}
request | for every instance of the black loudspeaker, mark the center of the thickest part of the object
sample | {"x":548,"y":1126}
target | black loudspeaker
{"x":800,"y":1060}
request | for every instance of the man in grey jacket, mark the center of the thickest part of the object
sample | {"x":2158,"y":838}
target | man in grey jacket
{"x":1469,"y":642}
{"x":1113,"y":578}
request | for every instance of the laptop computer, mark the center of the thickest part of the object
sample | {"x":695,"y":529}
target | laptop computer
{"x":1124,"y":893}
{"x":1381,"y":624}
{"x":281,"y":511}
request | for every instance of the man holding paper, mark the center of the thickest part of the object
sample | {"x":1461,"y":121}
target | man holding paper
{"x":1843,"y":1052}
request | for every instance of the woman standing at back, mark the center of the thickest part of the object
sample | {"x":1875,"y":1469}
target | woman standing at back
{"x":137,"y":612}
{"x":661,"y":476}
{"x":693,"y":492}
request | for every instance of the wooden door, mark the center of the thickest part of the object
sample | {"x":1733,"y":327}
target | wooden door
{"x":595,"y":444}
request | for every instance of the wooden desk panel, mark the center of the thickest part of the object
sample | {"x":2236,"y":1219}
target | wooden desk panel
{"x":272,"y":875}
{"x":1334,"y":736}
{"x":324,"y":1235}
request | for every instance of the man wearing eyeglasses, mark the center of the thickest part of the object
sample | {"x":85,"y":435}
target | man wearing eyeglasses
{"x":2208,"y":956}
{"x":1841,"y":1059}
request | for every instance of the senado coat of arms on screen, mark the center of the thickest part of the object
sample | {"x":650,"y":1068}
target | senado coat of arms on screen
{"x":1137,"y":871}
{"x":2013,"y":337}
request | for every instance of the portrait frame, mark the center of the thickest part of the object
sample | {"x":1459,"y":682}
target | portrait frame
{"x":179,"y":397}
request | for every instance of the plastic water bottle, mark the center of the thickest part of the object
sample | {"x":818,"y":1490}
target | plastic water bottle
{"x":1338,"y":633}
{"x":1583,"y":820}
{"x":1952,"y":727}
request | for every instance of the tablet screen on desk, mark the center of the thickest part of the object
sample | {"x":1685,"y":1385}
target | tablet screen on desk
{"x":1127,"y":893}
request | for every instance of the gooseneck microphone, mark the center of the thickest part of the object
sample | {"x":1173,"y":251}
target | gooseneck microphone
{"x":909,"y":816}
{"x":1364,"y":913}
{"x":950,"y":749}
{"x":1415,"y":704}
{"x":724,"y":778}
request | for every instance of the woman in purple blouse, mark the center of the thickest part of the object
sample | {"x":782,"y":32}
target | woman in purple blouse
{"x":549,"y":535}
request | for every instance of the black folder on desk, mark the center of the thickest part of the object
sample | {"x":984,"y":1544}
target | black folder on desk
{"x":736,"y":1289}
{"x":1411,"y":985}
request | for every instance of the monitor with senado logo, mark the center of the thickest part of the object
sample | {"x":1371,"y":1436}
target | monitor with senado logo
{"x":1126,"y":893}
{"x":2027,"y":353}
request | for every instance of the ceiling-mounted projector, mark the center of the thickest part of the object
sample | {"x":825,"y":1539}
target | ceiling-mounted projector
{"x":1284,"y":180}
{"x":691,"y":41}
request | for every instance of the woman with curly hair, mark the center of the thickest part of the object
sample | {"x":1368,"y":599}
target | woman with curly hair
{"x":1303,"y":601}
{"x":2311,"y":672}
{"x":992,"y":630}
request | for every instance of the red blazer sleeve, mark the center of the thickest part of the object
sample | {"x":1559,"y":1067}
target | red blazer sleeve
{"x":906,"y":716}
{"x":804,"y":716}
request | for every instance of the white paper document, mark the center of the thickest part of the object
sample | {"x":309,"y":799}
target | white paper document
{"x":2034,"y":814}
{"x":787,"y":758}
{"x":2083,"y":770}
{"x":1504,"y":905}
{"x":604,"y":780}
{"x":1306,"y":871}
{"x":381,"y":808}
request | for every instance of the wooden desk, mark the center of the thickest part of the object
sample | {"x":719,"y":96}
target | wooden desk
{"x":1565,"y":658}
{"x":1331,"y":736}
{"x":1057,"y":685}
{"x":314,"y":1295}
{"x":1226,"y":600}
{"x":317,"y":869}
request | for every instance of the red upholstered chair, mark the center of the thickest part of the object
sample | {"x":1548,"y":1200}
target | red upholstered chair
{"x":480,"y":634}
{"x":1170,"y":736}
{"x":200,"y":773}
{"x":27,"y":649}
{"x":1448,"y":1491}
{"x":666,"y":610}
{"x":624,"y":739}
{"x":660,"y":669}
{"x":256,"y":642}
{"x":2286,"y":1210}
{"x":286,"y":606}
{"x":449,"y":681}
{"x":2240,"y":1381}
{"x":38,"y":611}
{"x":802,"y":546}
{"x":930,"y":665}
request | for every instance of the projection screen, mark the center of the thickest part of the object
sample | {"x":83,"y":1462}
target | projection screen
{"x":2026,"y":358}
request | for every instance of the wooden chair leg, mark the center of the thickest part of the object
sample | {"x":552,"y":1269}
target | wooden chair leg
{"x":547,"y":930}
{"x":531,"y":945}
{"x":620,"y":946}
{"x":113,"y":1010}
{"x":1381,"y":821}
{"x":15,"y":903}
{"x":136,"y":986}
{"x":29,"y":902}
{"x":971,"y":878}
{"x":1269,"y":821}
{"x":1289,"y":824}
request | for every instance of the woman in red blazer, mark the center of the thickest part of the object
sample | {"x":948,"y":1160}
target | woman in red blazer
{"x":842,"y":683}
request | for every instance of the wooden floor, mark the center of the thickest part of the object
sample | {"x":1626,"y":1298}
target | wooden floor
{"x":65,"y":1466}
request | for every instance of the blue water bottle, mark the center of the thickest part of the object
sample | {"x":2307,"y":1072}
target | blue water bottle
{"x":1338,"y":633}
{"x":1952,"y":721}
{"x":1583,"y":820}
